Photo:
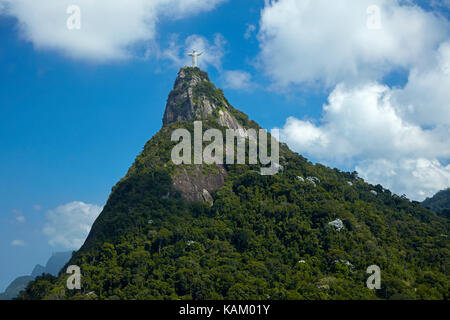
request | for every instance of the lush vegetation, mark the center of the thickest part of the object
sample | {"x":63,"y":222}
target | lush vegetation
{"x":439,"y":203}
{"x":265,"y":237}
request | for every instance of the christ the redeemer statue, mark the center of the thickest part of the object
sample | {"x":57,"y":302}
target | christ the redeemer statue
{"x":194,"y":56}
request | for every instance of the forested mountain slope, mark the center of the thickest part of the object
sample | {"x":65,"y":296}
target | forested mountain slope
{"x":228,"y":232}
{"x":439,"y":203}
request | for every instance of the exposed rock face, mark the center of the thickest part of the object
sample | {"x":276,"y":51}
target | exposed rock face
{"x":227,"y":120}
{"x":337,"y":224}
{"x":180,"y":104}
{"x":194,"y":97}
{"x":207,"y":197}
{"x":313,"y":180}
{"x":346,"y":262}
{"x":195,"y":184}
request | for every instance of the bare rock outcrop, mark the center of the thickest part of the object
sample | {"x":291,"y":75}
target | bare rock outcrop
{"x":195,"y":183}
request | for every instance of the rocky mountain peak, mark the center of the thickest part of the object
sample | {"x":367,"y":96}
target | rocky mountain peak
{"x":190,"y":77}
{"x":195,"y":97}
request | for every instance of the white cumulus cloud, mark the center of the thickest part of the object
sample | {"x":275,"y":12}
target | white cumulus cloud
{"x":363,"y":122}
{"x":324,"y":41}
{"x":68,"y":225}
{"x":417,"y":178}
{"x":363,"y":125}
{"x":395,"y":136}
{"x":426,"y":97}
{"x":109,"y":28}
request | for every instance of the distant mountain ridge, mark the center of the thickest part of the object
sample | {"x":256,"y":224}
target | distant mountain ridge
{"x":53,"y":266}
{"x":439,"y":203}
{"x":15,"y":287}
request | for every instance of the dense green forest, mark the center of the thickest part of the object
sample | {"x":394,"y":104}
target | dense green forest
{"x":264,"y":237}
{"x":439,"y":203}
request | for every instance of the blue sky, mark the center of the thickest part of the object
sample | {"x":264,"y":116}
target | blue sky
{"x":77,"y":108}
